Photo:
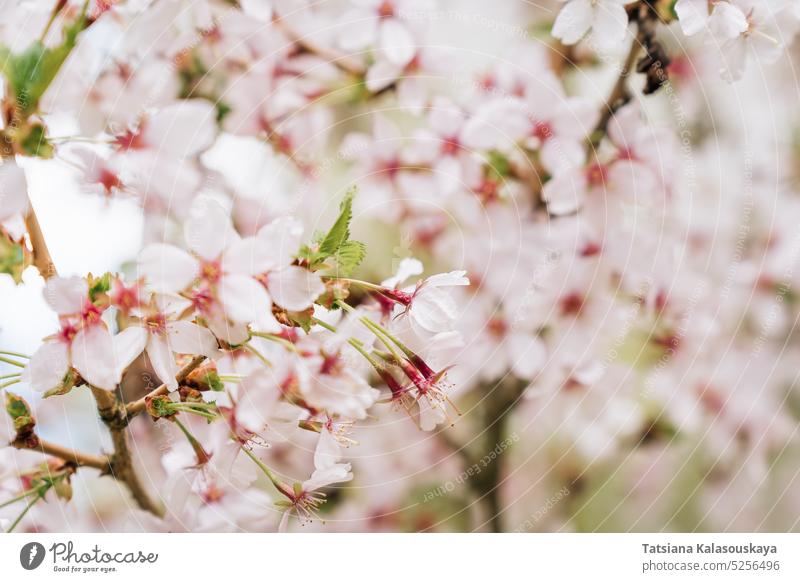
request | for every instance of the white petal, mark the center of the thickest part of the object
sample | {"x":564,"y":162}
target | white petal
{"x":295,"y":288}
{"x":692,"y":15}
{"x":496,"y":125}
{"x":560,"y":155}
{"x":189,"y":338}
{"x":261,"y":10}
{"x":13,"y":190}
{"x":337,"y":473}
{"x":279,"y":241}
{"x":128,"y":344}
{"x":610,"y":24}
{"x":163,"y":361}
{"x":528,"y":355}
{"x":430,"y":416}
{"x":66,"y":295}
{"x":564,"y":193}
{"x":433,"y":310}
{"x":48,"y":366}
{"x":356,"y":30}
{"x":233,"y":333}
{"x":445,"y":118}
{"x":396,"y":42}
{"x":408,"y":267}
{"x":93,"y":357}
{"x":167,"y":268}
{"x":182,"y":129}
{"x":451,"y":279}
{"x":727,"y":21}
{"x":243,"y":298}
{"x":381,"y":74}
{"x":209,"y":230}
{"x":448,"y":174}
{"x":573,"y":21}
{"x":328,"y":451}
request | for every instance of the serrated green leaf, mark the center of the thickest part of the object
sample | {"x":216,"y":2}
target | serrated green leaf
{"x":349,"y":256}
{"x":339,"y":233}
{"x":30,"y":72}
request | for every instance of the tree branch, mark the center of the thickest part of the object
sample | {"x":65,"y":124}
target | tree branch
{"x":307,"y":43}
{"x":41,"y":254}
{"x":81,"y":459}
{"x":137,"y":406}
{"x":123,"y":470}
{"x":619,"y":95}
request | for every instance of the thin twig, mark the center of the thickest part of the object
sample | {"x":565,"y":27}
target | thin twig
{"x":41,"y":254}
{"x":620,"y":95}
{"x":307,"y":43}
{"x":81,"y":459}
{"x":138,"y":406}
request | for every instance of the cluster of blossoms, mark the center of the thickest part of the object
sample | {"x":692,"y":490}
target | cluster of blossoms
{"x":613,"y":290}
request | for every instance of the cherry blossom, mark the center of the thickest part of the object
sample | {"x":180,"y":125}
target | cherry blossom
{"x":605,"y":18}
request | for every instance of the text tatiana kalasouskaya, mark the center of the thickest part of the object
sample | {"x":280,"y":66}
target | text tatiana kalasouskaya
{"x":709,"y":549}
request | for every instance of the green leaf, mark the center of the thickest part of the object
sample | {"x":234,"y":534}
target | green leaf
{"x":340,"y":231}
{"x":499,"y":165}
{"x":13,"y":258}
{"x":99,"y":285}
{"x":36,"y":144}
{"x":214,"y":382}
{"x":20,"y":414}
{"x":336,"y":244}
{"x":16,"y":406}
{"x":30,"y":72}
{"x":67,"y":384}
{"x":349,"y":256}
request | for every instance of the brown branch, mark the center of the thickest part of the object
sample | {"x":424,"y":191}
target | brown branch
{"x":486,"y":484}
{"x":41,"y":254}
{"x":619,"y":95}
{"x":137,"y":406}
{"x":123,"y":470}
{"x":307,"y":43}
{"x":121,"y":462}
{"x":81,"y":459}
